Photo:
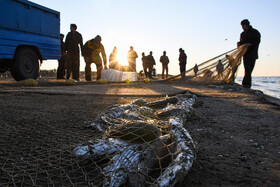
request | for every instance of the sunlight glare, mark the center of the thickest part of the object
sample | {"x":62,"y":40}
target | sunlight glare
{"x":122,"y":57}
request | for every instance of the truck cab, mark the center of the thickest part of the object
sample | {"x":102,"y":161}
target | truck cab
{"x":29,"y":34}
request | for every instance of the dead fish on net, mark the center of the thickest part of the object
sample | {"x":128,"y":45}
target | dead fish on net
{"x":156,"y":155}
{"x":162,"y":103}
{"x":181,"y":111}
{"x":131,"y":115}
{"x":141,"y":113}
{"x":184,"y":160}
{"x":139,"y":102}
{"x":122,"y":165}
{"x":99,"y":148}
{"x":134,"y":132}
{"x":101,"y":122}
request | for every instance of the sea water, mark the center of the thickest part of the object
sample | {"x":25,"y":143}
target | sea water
{"x":268,"y":85}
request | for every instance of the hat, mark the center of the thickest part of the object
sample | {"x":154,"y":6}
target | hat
{"x":245,"y":22}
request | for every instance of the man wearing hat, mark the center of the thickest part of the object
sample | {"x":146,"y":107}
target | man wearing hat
{"x":252,"y":38}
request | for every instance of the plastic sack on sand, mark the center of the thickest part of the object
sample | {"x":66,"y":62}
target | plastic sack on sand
{"x":131,"y":76}
{"x":112,"y":75}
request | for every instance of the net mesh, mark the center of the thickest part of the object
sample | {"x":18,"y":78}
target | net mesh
{"x":218,"y":70}
{"x":138,"y":144}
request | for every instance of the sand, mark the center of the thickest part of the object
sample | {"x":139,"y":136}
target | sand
{"x":236,"y":130}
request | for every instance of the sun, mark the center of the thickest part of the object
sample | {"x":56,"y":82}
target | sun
{"x":122,"y":57}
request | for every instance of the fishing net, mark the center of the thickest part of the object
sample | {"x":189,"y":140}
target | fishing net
{"x":138,"y":144}
{"x":218,"y":70}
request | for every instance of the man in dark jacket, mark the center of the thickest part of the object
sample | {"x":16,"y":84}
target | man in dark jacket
{"x":150,"y":63}
{"x":91,"y":51}
{"x":145,"y":64}
{"x":182,"y":62}
{"x":164,"y":60}
{"x":252,"y":38}
{"x":61,"y":62}
{"x":72,"y":42}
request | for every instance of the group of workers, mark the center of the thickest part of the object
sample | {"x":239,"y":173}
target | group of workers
{"x":69,"y":63}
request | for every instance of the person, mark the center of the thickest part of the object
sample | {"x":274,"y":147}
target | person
{"x":220,"y":67}
{"x":252,"y":38}
{"x":195,"y":69}
{"x":113,"y":60}
{"x":131,"y":59}
{"x":72,"y":42}
{"x":145,"y":64}
{"x":165,"y":61}
{"x":91,"y":51}
{"x":182,"y":62}
{"x":150,"y":63}
{"x":61,"y":62}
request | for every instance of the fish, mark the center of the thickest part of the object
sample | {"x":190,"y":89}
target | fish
{"x":99,"y":149}
{"x":179,"y":167}
{"x":121,"y":165}
{"x":139,"y":102}
{"x":157,"y":154}
{"x":143,"y":138}
{"x":134,"y":132}
{"x":102,"y":121}
{"x":162,"y":103}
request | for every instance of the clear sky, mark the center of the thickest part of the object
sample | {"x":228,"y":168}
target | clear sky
{"x":203,"y":28}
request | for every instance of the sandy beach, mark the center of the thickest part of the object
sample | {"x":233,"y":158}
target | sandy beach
{"x":235,"y":130}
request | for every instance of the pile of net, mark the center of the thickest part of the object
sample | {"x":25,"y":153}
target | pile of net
{"x":142,"y":143}
{"x":218,"y":70}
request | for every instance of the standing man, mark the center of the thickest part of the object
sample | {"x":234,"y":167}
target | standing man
{"x":145,"y":64}
{"x":131,"y":59}
{"x":73,"y":40}
{"x":252,"y":38}
{"x":61,"y":62}
{"x":182,"y":62}
{"x":164,"y":60}
{"x":91,"y":51}
{"x":150,"y":63}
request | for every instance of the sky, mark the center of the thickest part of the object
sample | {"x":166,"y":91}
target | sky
{"x":203,"y":28}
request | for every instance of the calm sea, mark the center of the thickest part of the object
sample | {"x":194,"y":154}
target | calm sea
{"x":268,"y":85}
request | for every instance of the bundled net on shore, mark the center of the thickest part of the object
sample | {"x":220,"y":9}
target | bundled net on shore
{"x":138,"y":144}
{"x":218,"y":70}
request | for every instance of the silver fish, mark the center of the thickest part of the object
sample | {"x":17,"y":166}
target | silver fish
{"x":102,"y":121}
{"x":151,"y":158}
{"x":184,"y":160}
{"x":121,"y":166}
{"x":138,"y":102}
{"x":99,"y":148}
{"x":162,"y":103}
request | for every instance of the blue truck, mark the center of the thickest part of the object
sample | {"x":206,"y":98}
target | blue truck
{"x":29,"y":34}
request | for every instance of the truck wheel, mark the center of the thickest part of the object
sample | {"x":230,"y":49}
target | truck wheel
{"x":26,"y":65}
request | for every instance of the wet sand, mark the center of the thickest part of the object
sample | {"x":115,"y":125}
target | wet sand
{"x":236,"y":130}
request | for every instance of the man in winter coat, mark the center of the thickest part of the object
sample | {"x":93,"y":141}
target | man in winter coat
{"x":164,"y":60}
{"x":91,"y":51}
{"x":150,"y":63}
{"x":252,"y":38}
{"x":182,"y":62}
{"x":72,"y":42}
